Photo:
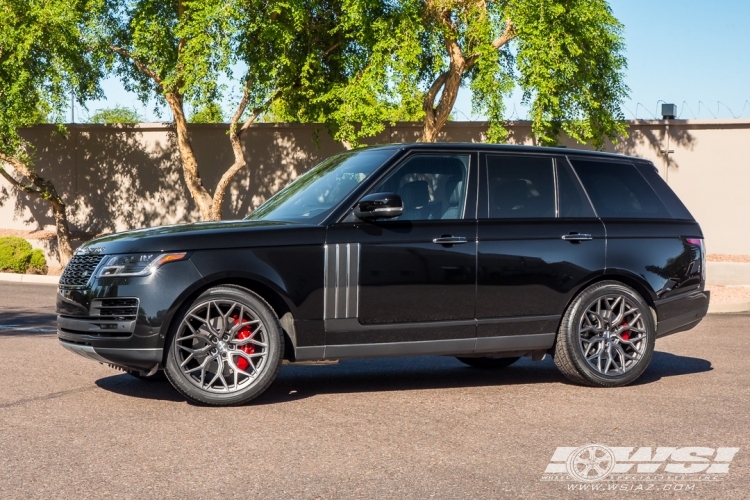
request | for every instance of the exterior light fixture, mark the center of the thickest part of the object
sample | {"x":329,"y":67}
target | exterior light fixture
{"x":668,"y":111}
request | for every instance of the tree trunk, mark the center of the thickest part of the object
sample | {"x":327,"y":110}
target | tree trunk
{"x":235,"y":133}
{"x":44,"y":189}
{"x":64,"y":248}
{"x":448,"y":82}
{"x":226,"y":178}
{"x":189,"y":163}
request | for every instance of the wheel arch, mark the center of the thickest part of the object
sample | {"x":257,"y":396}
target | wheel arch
{"x":637,"y":283}
{"x":275,"y":299}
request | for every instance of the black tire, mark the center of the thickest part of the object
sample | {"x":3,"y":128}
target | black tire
{"x":264,"y":375}
{"x":488,"y":363}
{"x":569,"y":351}
{"x":156,"y":377}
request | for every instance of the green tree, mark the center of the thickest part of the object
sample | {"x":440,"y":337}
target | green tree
{"x":116,"y":114}
{"x":368,"y":76}
{"x":565,"y":55}
{"x":288,"y":54}
{"x":210,"y":113}
{"x":43,"y":59}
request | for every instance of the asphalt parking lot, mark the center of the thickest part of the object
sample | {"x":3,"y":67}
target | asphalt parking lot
{"x":421,"y":427}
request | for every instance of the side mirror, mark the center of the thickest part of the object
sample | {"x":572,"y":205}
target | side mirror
{"x":379,"y":206}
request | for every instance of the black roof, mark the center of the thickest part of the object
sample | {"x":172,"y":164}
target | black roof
{"x":500,"y":147}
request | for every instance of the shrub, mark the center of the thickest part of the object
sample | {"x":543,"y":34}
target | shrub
{"x":37,"y":263}
{"x":17,"y":256}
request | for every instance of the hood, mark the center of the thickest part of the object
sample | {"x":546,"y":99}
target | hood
{"x":205,"y":236}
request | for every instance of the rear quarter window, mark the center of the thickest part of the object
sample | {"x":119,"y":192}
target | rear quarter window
{"x":667,"y":196}
{"x":618,"y":190}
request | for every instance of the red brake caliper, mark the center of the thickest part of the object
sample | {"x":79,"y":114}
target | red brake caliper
{"x":625,"y":333}
{"x":244,"y":333}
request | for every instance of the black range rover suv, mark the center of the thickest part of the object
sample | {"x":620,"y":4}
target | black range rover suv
{"x":487,"y":253}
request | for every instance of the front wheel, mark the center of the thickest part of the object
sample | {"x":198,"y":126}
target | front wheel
{"x":226,"y":349}
{"x":606,"y":336}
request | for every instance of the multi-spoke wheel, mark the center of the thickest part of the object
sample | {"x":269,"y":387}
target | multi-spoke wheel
{"x":606,"y":337}
{"x":226,"y":349}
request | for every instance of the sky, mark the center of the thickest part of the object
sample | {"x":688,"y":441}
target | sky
{"x":692,"y":53}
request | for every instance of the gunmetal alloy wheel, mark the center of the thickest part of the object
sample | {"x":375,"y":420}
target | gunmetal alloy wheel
{"x":606,"y":337}
{"x":226,"y":349}
{"x":612,"y":334}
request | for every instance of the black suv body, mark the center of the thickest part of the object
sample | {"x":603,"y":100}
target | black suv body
{"x":483,"y":252}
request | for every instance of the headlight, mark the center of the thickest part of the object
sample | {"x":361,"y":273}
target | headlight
{"x":138,"y":264}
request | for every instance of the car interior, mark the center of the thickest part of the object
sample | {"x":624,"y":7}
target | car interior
{"x":431,"y":186}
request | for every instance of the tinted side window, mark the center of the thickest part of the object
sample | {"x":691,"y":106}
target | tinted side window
{"x":667,"y":196}
{"x":520,"y":187}
{"x":618,"y":190}
{"x":571,"y":197}
{"x":431,"y":186}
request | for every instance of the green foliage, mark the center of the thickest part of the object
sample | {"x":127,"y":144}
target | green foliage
{"x":117,"y":114}
{"x":43,"y":58}
{"x":37,"y":262}
{"x":328,"y":61}
{"x":17,"y":256}
{"x":209,"y":113}
{"x":565,"y":55}
{"x":570,"y":62}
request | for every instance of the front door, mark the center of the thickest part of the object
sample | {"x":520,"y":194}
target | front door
{"x":413,"y":278}
{"x":538,"y":241}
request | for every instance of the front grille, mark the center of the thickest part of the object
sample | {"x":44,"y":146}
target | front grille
{"x":79,"y":270}
{"x":120,"y":308}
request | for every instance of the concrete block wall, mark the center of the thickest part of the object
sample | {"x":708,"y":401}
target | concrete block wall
{"x":115,"y":178}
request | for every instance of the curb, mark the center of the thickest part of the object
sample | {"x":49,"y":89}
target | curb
{"x":737,"y":307}
{"x":30,"y":278}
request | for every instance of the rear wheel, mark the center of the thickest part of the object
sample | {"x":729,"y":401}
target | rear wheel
{"x":606,"y":336}
{"x":226,"y":349}
{"x":488,"y":363}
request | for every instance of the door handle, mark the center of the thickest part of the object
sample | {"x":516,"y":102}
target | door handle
{"x":577,"y":237}
{"x":449,"y":240}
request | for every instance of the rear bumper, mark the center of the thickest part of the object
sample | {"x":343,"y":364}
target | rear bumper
{"x":129,"y":358}
{"x":682,"y":312}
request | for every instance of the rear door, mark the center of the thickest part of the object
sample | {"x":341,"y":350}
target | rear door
{"x":649,"y":235}
{"x":538,"y":240}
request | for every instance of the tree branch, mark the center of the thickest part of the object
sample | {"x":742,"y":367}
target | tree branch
{"x":241,"y":106}
{"x":138,"y":64}
{"x":18,"y":185}
{"x":258,"y":111}
{"x":331,"y":49}
{"x":508,"y":34}
{"x":436,"y":86}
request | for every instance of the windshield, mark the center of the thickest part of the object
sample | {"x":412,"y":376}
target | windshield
{"x":311,"y":196}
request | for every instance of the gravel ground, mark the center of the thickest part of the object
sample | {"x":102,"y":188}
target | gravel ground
{"x":729,"y":294}
{"x":419,"y":427}
{"x":721,"y":257}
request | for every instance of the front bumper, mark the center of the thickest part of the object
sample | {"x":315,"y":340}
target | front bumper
{"x":142,"y":359}
{"x":139,"y":311}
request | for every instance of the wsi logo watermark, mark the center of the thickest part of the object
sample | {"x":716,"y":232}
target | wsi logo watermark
{"x":660,"y":468}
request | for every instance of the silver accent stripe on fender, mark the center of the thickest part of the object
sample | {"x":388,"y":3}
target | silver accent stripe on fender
{"x":341,"y":295}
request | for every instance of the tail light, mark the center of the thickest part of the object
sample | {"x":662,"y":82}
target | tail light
{"x":698,"y":242}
